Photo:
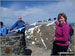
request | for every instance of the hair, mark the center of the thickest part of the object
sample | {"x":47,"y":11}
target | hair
{"x":1,"y":23}
{"x":63,"y":15}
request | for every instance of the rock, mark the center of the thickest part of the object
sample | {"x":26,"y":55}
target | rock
{"x":8,"y":44}
{"x":42,"y":35}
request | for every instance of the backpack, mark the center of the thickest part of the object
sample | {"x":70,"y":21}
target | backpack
{"x":71,"y":32}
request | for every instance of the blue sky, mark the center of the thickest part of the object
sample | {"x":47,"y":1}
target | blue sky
{"x":32,"y":11}
{"x":20,"y":5}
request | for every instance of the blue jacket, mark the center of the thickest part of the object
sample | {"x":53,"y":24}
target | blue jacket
{"x":3,"y":30}
{"x":18,"y":24}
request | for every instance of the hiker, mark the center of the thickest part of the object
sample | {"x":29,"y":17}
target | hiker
{"x":19,"y":24}
{"x":3,"y":29}
{"x":71,"y":33}
{"x":62,"y":31}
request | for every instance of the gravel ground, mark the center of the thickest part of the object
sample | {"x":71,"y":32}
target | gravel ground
{"x":37,"y":51}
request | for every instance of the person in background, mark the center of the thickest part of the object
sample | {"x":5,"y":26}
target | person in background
{"x":61,"y":42}
{"x":19,"y":24}
{"x":3,"y":29}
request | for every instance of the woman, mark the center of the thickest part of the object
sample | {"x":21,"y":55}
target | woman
{"x":61,"y":42}
{"x":3,"y":29}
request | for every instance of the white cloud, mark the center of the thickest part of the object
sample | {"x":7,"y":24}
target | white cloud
{"x":39,"y":12}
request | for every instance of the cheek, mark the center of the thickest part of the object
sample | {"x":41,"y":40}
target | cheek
{"x":62,"y":20}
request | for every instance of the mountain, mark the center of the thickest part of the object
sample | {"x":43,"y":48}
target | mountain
{"x":41,"y":35}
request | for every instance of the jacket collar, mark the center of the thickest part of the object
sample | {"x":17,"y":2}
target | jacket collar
{"x":64,"y":24}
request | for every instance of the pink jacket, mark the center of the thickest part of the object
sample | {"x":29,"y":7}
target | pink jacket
{"x":62,"y":34}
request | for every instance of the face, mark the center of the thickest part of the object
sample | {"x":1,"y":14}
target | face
{"x":62,"y":20}
{"x":19,"y":18}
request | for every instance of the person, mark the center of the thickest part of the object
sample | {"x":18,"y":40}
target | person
{"x":61,"y":42}
{"x":19,"y":24}
{"x":3,"y":29}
